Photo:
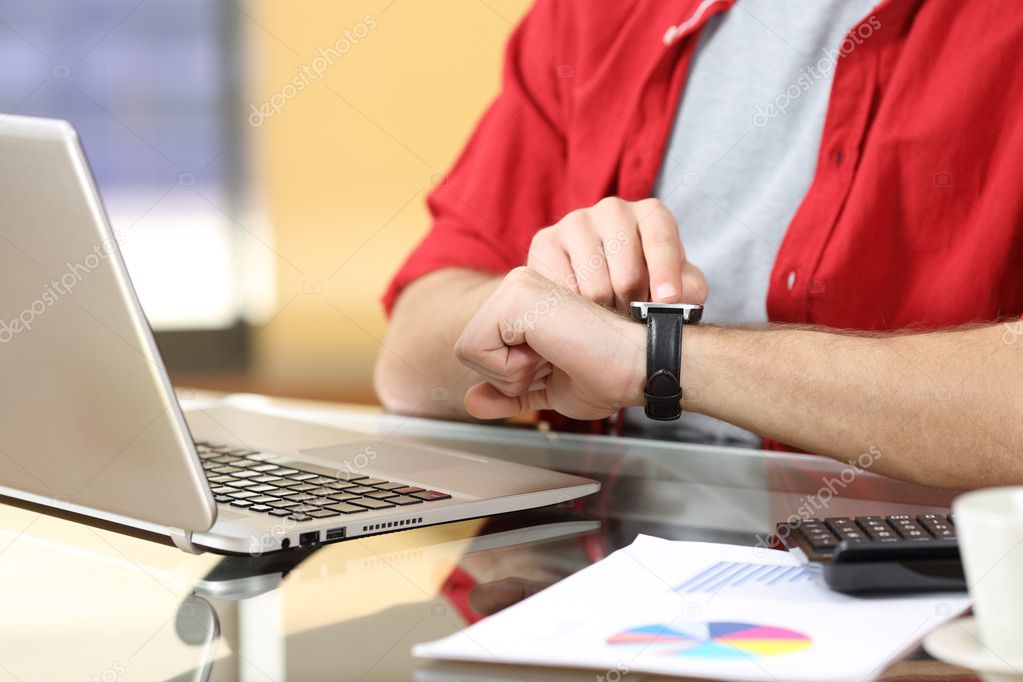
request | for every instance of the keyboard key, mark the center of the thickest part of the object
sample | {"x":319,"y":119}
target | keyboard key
{"x":245,"y":464}
{"x":263,"y":468}
{"x":261,"y":508}
{"x":225,"y":459}
{"x":387,"y":486}
{"x":300,"y":517}
{"x":323,"y":513}
{"x":372,"y":481}
{"x":268,"y":479}
{"x":263,"y":499}
{"x":370,"y":503}
{"x":322,"y":480}
{"x":381,"y":494}
{"x":222,"y":499}
{"x":283,"y":504}
{"x":360,"y":490}
{"x":245,"y":474}
{"x":223,"y":490}
{"x":301,"y":476}
{"x":261,"y":457}
{"x":321,"y":491}
{"x":223,"y":478}
{"x":279,"y":512}
{"x":299,"y":497}
{"x":303,"y":509}
{"x":242,"y":452}
{"x":278,"y":492}
{"x":241,"y":494}
{"x":408,"y":490}
{"x":346,"y":508}
{"x":342,"y":497}
{"x":240,"y":503}
{"x":341,"y":485}
{"x":432,"y":495}
{"x":404,"y":500}
{"x":350,"y":476}
{"x":301,"y":487}
{"x":320,"y":501}
{"x":262,"y":488}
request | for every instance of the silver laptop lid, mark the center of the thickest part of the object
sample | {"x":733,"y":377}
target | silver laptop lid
{"x":88,"y":419}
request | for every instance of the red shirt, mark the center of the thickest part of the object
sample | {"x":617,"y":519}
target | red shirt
{"x":915,"y":215}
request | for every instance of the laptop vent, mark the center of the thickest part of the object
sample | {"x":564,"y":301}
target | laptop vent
{"x":393,"y":524}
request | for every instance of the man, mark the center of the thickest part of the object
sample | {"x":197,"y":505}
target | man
{"x":831,"y":164}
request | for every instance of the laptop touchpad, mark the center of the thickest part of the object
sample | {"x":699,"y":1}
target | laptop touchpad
{"x":394,"y":458}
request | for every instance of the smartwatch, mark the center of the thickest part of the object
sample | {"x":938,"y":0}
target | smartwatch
{"x":664,"y":323}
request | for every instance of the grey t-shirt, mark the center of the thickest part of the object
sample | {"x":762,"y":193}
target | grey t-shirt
{"x":742,"y":155}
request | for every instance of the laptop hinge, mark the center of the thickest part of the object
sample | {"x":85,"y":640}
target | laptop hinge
{"x":183,"y":540}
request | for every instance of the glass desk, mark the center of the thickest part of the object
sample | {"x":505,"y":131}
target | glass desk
{"x":84,"y":603}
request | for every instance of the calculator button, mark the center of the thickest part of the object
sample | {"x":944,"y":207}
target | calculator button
{"x":908,"y":528}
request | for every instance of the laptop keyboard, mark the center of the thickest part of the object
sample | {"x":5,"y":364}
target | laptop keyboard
{"x":246,"y":479}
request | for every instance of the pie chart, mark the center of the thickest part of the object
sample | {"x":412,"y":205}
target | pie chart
{"x":714,"y":640}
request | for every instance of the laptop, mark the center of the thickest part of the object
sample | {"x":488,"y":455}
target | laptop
{"x":90,"y":426}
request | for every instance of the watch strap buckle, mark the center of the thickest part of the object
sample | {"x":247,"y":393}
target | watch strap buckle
{"x":663,"y":394}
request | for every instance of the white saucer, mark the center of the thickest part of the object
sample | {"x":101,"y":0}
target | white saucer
{"x":958,"y":642}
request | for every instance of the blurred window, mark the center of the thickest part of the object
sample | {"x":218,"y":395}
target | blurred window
{"x":153,"y":88}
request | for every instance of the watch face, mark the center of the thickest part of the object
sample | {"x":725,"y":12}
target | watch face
{"x":690,"y":312}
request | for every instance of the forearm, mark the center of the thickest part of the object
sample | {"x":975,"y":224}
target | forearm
{"x":416,"y":371}
{"x":941,"y":408}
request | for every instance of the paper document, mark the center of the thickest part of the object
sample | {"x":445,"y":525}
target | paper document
{"x":706,"y":610}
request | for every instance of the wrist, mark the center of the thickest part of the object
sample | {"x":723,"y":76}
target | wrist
{"x":697,"y":351}
{"x":636,"y":368}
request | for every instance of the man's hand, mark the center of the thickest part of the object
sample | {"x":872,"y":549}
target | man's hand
{"x":619,"y":251}
{"x":540,"y":346}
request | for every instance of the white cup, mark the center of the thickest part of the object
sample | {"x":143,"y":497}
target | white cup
{"x":989,"y":524}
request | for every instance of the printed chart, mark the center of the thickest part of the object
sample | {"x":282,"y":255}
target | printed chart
{"x":750,"y":579}
{"x":714,"y":640}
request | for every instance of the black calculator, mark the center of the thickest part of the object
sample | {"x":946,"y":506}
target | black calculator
{"x":863,"y":554}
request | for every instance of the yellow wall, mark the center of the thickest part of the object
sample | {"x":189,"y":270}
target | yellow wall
{"x":344,"y":168}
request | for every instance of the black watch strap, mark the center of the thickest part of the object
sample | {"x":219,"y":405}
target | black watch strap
{"x":663,"y":365}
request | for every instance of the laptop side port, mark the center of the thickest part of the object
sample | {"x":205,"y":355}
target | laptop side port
{"x":334,"y":534}
{"x":309,"y":539}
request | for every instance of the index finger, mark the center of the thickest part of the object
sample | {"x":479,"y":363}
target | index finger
{"x":662,"y":249}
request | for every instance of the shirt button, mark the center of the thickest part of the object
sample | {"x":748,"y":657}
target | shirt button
{"x":791,"y":281}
